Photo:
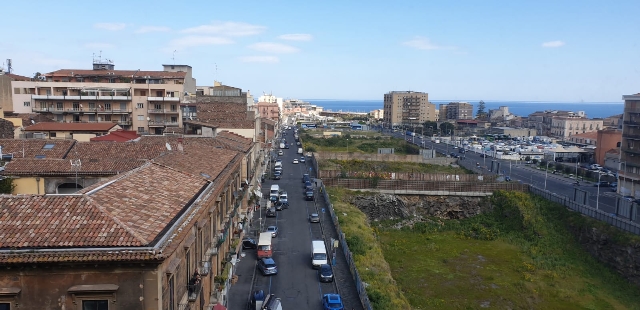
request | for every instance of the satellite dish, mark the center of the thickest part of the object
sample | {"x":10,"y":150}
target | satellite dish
{"x":168,"y":146}
{"x":33,"y":122}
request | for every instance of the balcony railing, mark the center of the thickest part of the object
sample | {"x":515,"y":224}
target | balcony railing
{"x":80,"y":110}
{"x":184,"y":306}
{"x":193,"y":291}
{"x":163,"y":111}
{"x":163,"y":123}
{"x":82,"y":97}
{"x":631,"y":135}
{"x":205,"y":266}
{"x":163,"y":98}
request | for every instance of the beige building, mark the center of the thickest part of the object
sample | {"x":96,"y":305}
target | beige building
{"x":6,"y":98}
{"x":563,"y":127}
{"x":629,"y":174}
{"x":455,"y":111}
{"x":377,"y":114}
{"x":407,"y":108}
{"x":144,"y":101}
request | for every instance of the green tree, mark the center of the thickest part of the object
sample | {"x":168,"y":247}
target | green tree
{"x":446,"y":128}
{"x":481,"y":114}
{"x":527,"y":158}
{"x":7,"y":186}
{"x":430,"y":128}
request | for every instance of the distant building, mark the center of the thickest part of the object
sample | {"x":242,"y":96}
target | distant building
{"x":377,"y":114}
{"x":407,"y":108}
{"x":541,"y":120}
{"x":500,"y":114}
{"x":584,"y":139}
{"x":514,"y":132}
{"x":613,"y":122}
{"x":268,"y":110}
{"x":455,"y":111}
{"x":563,"y":127}
{"x":606,"y":140}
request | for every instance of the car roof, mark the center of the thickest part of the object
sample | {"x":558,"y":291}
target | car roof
{"x":268,"y":260}
{"x":333,"y":297}
{"x":314,"y":214}
{"x":272,"y":227}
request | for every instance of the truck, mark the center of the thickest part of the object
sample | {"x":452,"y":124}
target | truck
{"x":265,"y":248}
{"x":318,"y":253}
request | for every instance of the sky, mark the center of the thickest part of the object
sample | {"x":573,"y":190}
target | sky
{"x":569,"y":51}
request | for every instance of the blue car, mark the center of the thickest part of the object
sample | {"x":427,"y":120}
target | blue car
{"x":332,"y":302}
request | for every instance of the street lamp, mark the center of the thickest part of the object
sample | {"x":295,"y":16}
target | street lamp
{"x":347,"y":146}
{"x":546,"y":172}
{"x":624,"y":173}
{"x":598,"y":194}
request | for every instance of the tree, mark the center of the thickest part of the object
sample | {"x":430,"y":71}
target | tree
{"x":430,"y":127}
{"x":446,"y":128}
{"x":481,"y":114}
{"x":527,"y":158}
{"x":7,"y":186}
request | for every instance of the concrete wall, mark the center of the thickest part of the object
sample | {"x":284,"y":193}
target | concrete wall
{"x":385,"y":157}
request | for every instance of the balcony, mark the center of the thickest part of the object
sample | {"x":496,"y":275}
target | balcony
{"x":162,"y":123}
{"x":83,"y":97}
{"x":631,"y":135}
{"x":632,"y":123}
{"x":80,"y":110}
{"x":205,"y":266}
{"x":174,"y":99}
{"x":194,"y":288}
{"x":163,"y":111}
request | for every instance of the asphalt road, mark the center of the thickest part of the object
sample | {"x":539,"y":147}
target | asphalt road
{"x":519,"y":171}
{"x":297,"y":282}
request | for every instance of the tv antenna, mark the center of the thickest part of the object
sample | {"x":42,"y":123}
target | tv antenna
{"x":174,"y":57}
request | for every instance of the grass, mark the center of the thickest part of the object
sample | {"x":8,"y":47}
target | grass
{"x":369,"y":145}
{"x":521,"y":255}
{"x":388,"y":166}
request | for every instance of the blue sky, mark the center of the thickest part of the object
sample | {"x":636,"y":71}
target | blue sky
{"x":454,"y":50}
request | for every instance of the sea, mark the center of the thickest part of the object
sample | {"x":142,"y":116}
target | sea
{"x":519,"y":108}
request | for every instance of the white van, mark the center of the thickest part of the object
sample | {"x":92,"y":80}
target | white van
{"x":299,"y":150}
{"x":318,"y":253}
{"x":275,"y":192}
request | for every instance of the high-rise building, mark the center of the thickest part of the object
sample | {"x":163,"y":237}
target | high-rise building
{"x":629,"y":173}
{"x":144,"y":101}
{"x":407,"y":108}
{"x":455,"y":111}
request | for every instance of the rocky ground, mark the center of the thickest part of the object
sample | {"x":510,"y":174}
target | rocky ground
{"x":411,"y":208}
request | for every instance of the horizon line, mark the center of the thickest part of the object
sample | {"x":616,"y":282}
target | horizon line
{"x":477,"y":101}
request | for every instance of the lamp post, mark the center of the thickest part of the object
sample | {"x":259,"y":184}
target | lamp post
{"x":577,"y":170}
{"x":624,"y":173}
{"x":347,"y":146}
{"x":598,"y":193}
{"x":546,"y":172}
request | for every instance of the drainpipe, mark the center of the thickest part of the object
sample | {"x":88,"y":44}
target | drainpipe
{"x":38,"y":184}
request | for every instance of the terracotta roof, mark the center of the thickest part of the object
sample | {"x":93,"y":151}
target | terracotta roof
{"x":29,"y":166}
{"x":615,"y":151}
{"x":268,"y":121}
{"x":235,"y":140}
{"x":235,"y":124}
{"x":71,"y":127}
{"x":130,"y":212}
{"x":36,"y":147}
{"x":116,"y":73}
{"x":118,"y":136}
{"x":118,"y":150}
{"x":38,"y":118}
{"x":191,"y":160}
{"x":593,"y":135}
{"x":16,"y":77}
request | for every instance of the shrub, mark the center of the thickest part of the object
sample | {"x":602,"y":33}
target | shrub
{"x":356,"y":245}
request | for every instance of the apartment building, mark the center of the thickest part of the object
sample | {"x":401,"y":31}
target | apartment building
{"x":541,"y":120}
{"x":455,"y":111}
{"x":145,"y":101}
{"x":563,"y":127}
{"x":269,"y":110}
{"x":629,"y":173}
{"x":379,"y":114}
{"x":6,"y":91}
{"x":407,"y":108}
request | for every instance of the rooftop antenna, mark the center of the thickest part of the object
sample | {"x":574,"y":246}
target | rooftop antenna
{"x":9,"y":67}
{"x":174,"y":57}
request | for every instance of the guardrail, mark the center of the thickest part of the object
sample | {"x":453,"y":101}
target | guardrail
{"x":362,"y":292}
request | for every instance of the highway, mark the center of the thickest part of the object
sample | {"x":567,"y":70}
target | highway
{"x":525,"y":173}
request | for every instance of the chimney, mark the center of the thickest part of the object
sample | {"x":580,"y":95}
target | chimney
{"x":180,"y":147}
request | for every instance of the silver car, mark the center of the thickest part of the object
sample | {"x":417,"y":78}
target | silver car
{"x":273,"y":230}
{"x":314,"y":218}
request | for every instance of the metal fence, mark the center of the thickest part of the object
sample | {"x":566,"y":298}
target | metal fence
{"x":426,"y":186}
{"x":362,"y":292}
{"x":600,"y":215}
{"x":415,"y":176}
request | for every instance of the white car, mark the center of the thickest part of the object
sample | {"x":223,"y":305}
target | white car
{"x":295,"y":161}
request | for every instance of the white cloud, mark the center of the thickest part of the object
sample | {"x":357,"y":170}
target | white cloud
{"x":190,"y":41}
{"x":110,"y":26}
{"x":276,"y":48}
{"x":147,"y":29}
{"x":98,"y":46}
{"x":553,"y":44}
{"x":231,"y":29}
{"x":423,"y":43}
{"x":296,"y":37}
{"x":261,"y":59}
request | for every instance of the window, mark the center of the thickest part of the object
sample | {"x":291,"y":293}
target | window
{"x":143,"y":93}
{"x":107,"y":118}
{"x":157,"y":106}
{"x":95,"y":304}
{"x":48,"y":146}
{"x":92,"y":118}
{"x":141,"y":117}
{"x":16,"y":90}
{"x":140,"y":105}
{"x":5,"y":306}
{"x":79,"y":79}
{"x":41,"y":156}
{"x":172,"y":292}
{"x":187,"y":257}
{"x":52,"y":135}
{"x":140,"y":129}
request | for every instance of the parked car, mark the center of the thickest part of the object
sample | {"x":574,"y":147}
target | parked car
{"x":267,"y":266}
{"x":305,"y":178}
{"x":271,"y":212}
{"x":295,"y":160}
{"x":281,"y":205}
{"x":277,"y":175}
{"x":273,"y":230}
{"x":332,"y":302}
{"x":308,"y":195}
{"x":302,"y":159}
{"x":248,"y":243}
{"x":325,"y":273}
{"x":314,"y":218}
{"x":280,"y":153}
{"x":602,"y":183}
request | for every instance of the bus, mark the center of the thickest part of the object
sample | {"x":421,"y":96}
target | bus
{"x":265,"y":249}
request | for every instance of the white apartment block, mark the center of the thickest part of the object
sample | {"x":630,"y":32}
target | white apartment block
{"x":144,"y":101}
{"x":563,"y":127}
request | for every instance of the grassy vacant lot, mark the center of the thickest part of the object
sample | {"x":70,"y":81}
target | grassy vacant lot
{"x":388,"y":166}
{"x":520,"y":256}
{"x":362,"y":145}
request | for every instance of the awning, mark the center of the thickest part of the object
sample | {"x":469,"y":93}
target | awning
{"x":258,"y":193}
